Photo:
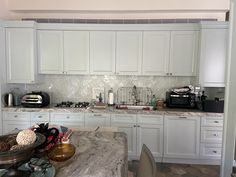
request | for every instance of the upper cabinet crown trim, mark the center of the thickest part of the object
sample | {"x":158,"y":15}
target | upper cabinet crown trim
{"x":19,"y":24}
{"x":214,"y":25}
{"x":117,"y":27}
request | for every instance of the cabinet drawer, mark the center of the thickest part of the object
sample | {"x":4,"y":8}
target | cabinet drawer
{"x":17,"y":116}
{"x":211,"y":134}
{"x":212,"y":121}
{"x":210,"y":151}
{"x":36,"y":116}
{"x":150,"y":119}
{"x":97,"y":115}
{"x":67,"y":117}
{"x":9,"y":126}
{"x":123,"y":118}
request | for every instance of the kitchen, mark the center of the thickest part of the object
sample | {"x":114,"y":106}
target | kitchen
{"x":79,"y":87}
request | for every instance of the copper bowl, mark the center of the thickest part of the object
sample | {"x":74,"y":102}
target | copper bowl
{"x":16,"y":157}
{"x":61,"y":152}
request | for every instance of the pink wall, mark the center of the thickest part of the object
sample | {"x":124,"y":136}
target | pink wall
{"x":16,"y":9}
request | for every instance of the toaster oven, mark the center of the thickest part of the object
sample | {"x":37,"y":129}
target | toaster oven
{"x":35,"y":100}
{"x":175,"y":100}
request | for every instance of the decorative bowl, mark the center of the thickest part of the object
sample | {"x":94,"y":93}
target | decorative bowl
{"x":61,"y":152}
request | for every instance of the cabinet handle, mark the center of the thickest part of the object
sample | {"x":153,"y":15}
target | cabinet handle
{"x":215,"y":134}
{"x":167,"y":74}
{"x":138,"y":126}
{"x":135,"y":125}
{"x":40,"y":117}
{"x":16,"y":129}
{"x":216,"y":121}
{"x":182,"y":117}
{"x":97,"y":115}
{"x":15,"y":116}
{"x":68,"y":117}
{"x":214,"y":152}
{"x":171,"y":74}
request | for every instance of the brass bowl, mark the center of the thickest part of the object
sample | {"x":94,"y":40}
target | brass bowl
{"x":61,"y":152}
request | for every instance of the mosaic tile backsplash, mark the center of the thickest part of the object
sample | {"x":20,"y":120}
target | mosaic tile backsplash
{"x":79,"y":88}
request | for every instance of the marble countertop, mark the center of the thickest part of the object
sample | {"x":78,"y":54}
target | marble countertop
{"x":98,"y":154}
{"x":112,"y":110}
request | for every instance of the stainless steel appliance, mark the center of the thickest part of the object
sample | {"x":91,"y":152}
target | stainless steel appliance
{"x":35,"y":100}
{"x":7,"y":99}
{"x":180,"y":100}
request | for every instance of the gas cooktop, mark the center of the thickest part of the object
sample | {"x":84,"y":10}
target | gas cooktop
{"x":70,"y":104}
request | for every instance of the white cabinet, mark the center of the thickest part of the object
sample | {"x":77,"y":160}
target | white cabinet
{"x":102,"y":52}
{"x":183,"y":53}
{"x":213,"y":54}
{"x":128,"y":53}
{"x":181,"y":137}
{"x":21,"y":55}
{"x":71,"y":120}
{"x":97,"y":120}
{"x":150,"y":133}
{"x":50,"y":52}
{"x":141,"y":129}
{"x":63,"y":52}
{"x":156,"y":50}
{"x":15,"y":120}
{"x":39,"y":117}
{"x":127,"y":123}
{"x":76,"y":52}
{"x":211,"y":137}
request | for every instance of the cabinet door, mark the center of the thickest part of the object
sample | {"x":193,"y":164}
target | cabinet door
{"x":183,"y":53}
{"x":152,"y":136}
{"x":50,"y":52}
{"x":20,"y":53}
{"x":9,"y":126}
{"x":76,"y":52}
{"x":156,"y":48}
{"x":102,"y":52}
{"x":97,"y":120}
{"x":128,"y":53}
{"x":181,"y":137}
{"x":213,"y":57}
{"x":39,"y":117}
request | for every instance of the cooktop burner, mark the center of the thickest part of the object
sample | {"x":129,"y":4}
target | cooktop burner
{"x":70,"y":104}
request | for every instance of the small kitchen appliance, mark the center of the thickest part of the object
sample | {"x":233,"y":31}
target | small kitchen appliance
{"x":7,"y":99}
{"x":35,"y":100}
{"x":180,"y":100}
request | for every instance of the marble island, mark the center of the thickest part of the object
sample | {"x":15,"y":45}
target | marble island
{"x":113,"y":110}
{"x":98,"y":154}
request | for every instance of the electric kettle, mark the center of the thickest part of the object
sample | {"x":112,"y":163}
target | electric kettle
{"x":7,"y":99}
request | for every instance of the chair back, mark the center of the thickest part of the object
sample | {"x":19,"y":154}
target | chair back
{"x":147,"y":164}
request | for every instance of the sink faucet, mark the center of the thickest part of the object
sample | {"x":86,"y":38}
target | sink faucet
{"x":135,"y":95}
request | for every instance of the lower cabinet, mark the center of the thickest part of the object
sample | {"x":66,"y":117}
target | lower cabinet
{"x":97,"y":120}
{"x":71,"y":120}
{"x":39,"y":117}
{"x":182,"y":137}
{"x":141,"y":129}
{"x":15,"y":120}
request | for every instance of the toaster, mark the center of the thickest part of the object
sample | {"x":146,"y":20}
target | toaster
{"x":35,"y":100}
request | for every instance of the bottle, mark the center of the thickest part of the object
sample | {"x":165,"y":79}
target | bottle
{"x":154,"y":102}
{"x":110,"y":97}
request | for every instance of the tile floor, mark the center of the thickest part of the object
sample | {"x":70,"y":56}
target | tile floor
{"x":182,"y":170}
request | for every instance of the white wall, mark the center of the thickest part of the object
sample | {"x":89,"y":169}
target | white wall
{"x":122,"y":9}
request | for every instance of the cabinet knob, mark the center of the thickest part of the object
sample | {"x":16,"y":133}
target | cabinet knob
{"x":216,"y":121}
{"x":167,"y":74}
{"x":15,"y":116}
{"x":214,"y":152}
{"x":171,"y":74}
{"x":68,"y":117}
{"x":97,"y":115}
{"x":135,"y":125}
{"x":40,"y":116}
{"x":215,"y":134}
{"x":138,"y":125}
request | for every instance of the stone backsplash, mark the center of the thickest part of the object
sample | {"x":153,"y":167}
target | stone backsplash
{"x":79,"y":88}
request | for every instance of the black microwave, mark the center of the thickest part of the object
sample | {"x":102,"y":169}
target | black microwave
{"x":175,"y":100}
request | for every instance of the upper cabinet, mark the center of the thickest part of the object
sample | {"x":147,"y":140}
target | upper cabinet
{"x":50,"y":52}
{"x":213,"y":54}
{"x":128,"y":52}
{"x":20,"y":52}
{"x":165,"y":52}
{"x":156,"y":51}
{"x":102,"y":52}
{"x":183,"y":53}
{"x":63,"y":52}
